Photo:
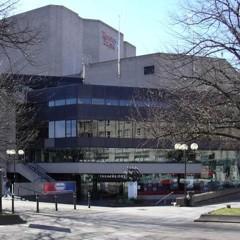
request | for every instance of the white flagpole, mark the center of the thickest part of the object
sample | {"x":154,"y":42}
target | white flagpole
{"x":119,"y":48}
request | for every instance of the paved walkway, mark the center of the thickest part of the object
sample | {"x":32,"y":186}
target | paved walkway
{"x":115,"y":223}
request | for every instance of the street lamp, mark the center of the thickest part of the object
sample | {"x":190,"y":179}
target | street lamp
{"x":0,"y":190}
{"x":13,"y":152}
{"x":184,"y":148}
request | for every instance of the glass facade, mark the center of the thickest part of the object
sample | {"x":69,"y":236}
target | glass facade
{"x":97,"y":128}
{"x":219,"y":172}
{"x":62,"y":129}
{"x":103,"y":101}
{"x":109,"y":155}
{"x":70,"y":101}
{"x":219,"y":169}
{"x":71,"y":128}
{"x":59,"y":129}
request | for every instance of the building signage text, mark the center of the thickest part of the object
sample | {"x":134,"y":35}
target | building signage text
{"x":108,"y":41}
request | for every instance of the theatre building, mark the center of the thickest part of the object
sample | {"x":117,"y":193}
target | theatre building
{"x":84,"y":104}
{"x":90,"y":138}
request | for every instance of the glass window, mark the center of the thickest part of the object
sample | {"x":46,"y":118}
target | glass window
{"x":84,"y":101}
{"x":126,"y":133}
{"x":148,"y":70}
{"x":60,"y":102}
{"x":124,"y":102}
{"x":71,"y":128}
{"x":85,"y":128}
{"x":59,"y":129}
{"x":51,"y":103}
{"x":119,"y":133}
{"x":140,"y":103}
{"x":111,"y":127}
{"x":70,"y":101}
{"x":112,"y":102}
{"x":138,"y":131}
{"x":74,"y":128}
{"x":98,"y":101}
{"x":51,"y":129}
{"x":101,"y":128}
{"x":95,"y":128}
{"x":101,"y":133}
{"x":68,"y":128}
{"x":120,"y":128}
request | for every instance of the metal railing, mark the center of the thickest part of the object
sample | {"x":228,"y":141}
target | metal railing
{"x":41,"y":172}
{"x":37,"y":194}
{"x":164,"y":198}
{"x":34,"y":191}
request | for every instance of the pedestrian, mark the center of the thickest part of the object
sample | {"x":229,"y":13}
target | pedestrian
{"x":7,"y":187}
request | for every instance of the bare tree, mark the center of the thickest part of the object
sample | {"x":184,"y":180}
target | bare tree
{"x":14,"y":37}
{"x":15,"y":114}
{"x":202,"y":99}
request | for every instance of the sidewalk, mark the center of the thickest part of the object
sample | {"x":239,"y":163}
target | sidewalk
{"x":114,"y":223}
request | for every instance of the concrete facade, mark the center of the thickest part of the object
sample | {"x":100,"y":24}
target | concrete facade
{"x":66,"y":41}
{"x":112,"y":168}
{"x":169,"y":70}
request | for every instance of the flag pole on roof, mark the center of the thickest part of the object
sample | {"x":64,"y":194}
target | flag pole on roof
{"x":119,"y":49}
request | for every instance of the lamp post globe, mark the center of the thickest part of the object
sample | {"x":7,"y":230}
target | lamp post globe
{"x":177,"y":146}
{"x":11,"y":151}
{"x":184,"y":147}
{"x":194,"y":146}
{"x":20,"y":152}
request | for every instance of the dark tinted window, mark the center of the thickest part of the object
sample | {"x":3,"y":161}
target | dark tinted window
{"x":148,"y":70}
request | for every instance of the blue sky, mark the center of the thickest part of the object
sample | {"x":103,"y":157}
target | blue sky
{"x":145,"y":23}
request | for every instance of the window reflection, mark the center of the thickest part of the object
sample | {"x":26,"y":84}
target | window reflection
{"x":70,"y":101}
{"x":97,"y":128}
{"x":51,"y":129}
{"x":71,"y":128}
{"x":60,"y":102}
{"x":61,"y":129}
{"x":107,"y":102}
{"x":111,"y":129}
{"x":98,"y":101}
{"x":112,"y":102}
{"x":84,"y":101}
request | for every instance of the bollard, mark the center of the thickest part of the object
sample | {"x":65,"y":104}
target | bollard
{"x":13,"y":210}
{"x":37,"y":202}
{"x":74,"y":201}
{"x":89,"y":199}
{"x":56,"y":203}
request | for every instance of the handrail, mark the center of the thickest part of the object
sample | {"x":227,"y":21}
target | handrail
{"x":29,"y":189}
{"x":163,"y":198}
{"x":40,"y":171}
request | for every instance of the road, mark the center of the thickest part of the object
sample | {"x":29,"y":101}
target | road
{"x":115,"y":223}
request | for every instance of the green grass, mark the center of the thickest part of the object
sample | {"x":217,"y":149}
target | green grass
{"x":227,"y":211}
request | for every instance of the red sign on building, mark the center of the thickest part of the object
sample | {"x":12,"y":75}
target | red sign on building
{"x":108,"y":41}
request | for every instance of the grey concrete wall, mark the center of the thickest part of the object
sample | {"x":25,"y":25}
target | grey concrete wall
{"x":90,"y":42}
{"x":132,"y":72}
{"x":60,"y":35}
{"x":105,"y":52}
{"x":129,"y":50}
{"x":72,"y":36}
{"x":100,"y":41}
{"x":207,"y":198}
{"x":65,"y":41}
{"x":37,"y":23}
{"x":170,"y":70}
{"x":103,"y":168}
